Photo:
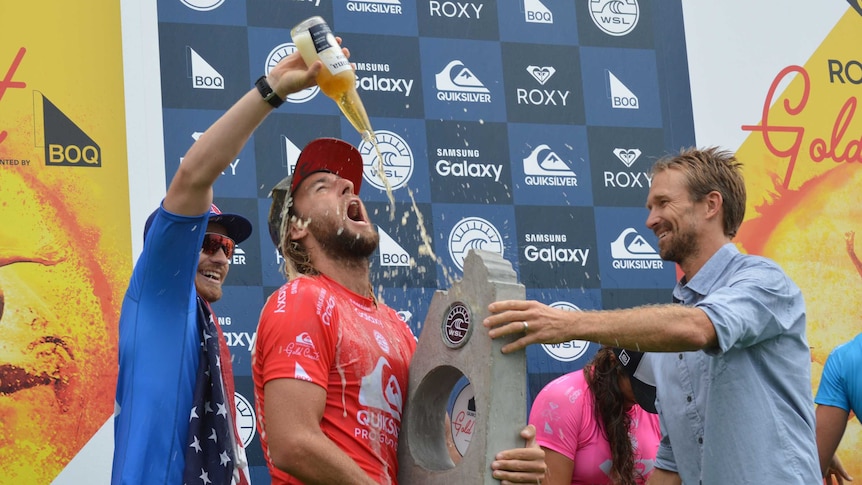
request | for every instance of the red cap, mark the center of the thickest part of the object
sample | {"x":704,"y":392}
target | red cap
{"x":329,"y":155}
{"x":322,"y":154}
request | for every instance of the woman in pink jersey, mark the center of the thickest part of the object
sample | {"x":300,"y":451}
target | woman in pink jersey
{"x":597,"y":425}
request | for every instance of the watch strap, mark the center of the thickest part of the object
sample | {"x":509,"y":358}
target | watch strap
{"x":269,"y":95}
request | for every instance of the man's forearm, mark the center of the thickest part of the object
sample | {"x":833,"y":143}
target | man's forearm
{"x":663,"y":477}
{"x":319,"y":461}
{"x":656,"y":328}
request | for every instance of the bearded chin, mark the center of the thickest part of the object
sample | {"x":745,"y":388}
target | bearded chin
{"x":346,"y":246}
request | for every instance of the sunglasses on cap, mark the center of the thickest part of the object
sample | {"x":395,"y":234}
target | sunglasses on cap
{"x":213,"y":242}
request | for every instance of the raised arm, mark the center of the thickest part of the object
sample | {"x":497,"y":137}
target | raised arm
{"x":190,"y":191}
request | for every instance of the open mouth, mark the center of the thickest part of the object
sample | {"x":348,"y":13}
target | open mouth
{"x":211,"y":275}
{"x":354,"y":212}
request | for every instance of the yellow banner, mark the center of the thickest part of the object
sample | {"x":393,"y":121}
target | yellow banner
{"x":804,"y":174}
{"x":64,"y":237}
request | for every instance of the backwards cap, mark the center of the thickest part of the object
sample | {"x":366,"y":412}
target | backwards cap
{"x":320,"y":155}
{"x":638,"y":366}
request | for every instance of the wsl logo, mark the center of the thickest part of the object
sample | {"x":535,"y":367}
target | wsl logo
{"x":571,"y":350}
{"x":245,"y":419}
{"x":537,"y":13}
{"x":543,"y":167}
{"x":625,"y":180}
{"x":202,"y":5}
{"x":203,"y":75}
{"x":375,"y":6}
{"x":65,"y":144}
{"x":278,"y":53}
{"x":621,"y":96}
{"x":396,"y":164}
{"x":473,"y":233}
{"x":391,"y":253}
{"x":456,"y":325}
{"x":631,"y":251}
{"x":542,"y":97}
{"x":615,"y":17}
{"x":457,"y":83}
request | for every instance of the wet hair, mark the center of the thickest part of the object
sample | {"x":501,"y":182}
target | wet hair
{"x":602,"y":374}
{"x":707,"y":170}
{"x":297,"y":262}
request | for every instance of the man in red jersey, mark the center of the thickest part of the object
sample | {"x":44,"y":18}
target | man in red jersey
{"x":330,"y":363}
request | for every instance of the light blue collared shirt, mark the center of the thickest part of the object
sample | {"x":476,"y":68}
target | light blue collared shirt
{"x":742,"y":413}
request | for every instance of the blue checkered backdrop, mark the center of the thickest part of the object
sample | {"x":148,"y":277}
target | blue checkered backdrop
{"x":525,"y":127}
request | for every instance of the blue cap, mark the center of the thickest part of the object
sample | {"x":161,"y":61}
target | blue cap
{"x":238,"y":227}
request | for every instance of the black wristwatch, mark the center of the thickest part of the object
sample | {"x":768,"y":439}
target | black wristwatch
{"x":267,"y":92}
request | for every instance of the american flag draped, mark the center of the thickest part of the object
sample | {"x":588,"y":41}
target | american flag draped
{"x":211,"y":454}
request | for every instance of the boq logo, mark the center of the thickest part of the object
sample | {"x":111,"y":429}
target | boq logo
{"x":65,"y":143}
{"x":456,"y":328}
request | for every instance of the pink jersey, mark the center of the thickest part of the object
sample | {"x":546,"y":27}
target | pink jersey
{"x":316,"y":330}
{"x":563,"y":416}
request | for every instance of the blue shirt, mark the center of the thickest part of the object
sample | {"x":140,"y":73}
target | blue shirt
{"x":742,"y":413}
{"x":841,"y":382}
{"x":160,"y":348}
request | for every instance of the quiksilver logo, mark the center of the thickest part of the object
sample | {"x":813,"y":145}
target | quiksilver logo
{"x":458,"y":83}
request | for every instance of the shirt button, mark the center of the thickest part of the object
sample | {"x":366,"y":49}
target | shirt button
{"x":680,"y":356}
{"x":688,"y":398}
{"x":700,"y":440}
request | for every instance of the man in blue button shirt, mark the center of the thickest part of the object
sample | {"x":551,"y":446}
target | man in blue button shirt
{"x":734,"y":379}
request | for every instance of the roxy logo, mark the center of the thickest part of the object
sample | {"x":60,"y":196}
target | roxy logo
{"x":566,"y":351}
{"x":542,"y":97}
{"x":473,"y":233}
{"x":396,"y":165}
{"x":628,"y":156}
{"x":452,"y":10}
{"x":615,"y":17}
{"x":631,"y":251}
{"x":458,"y":83}
{"x":204,"y":76}
{"x":621,"y":96}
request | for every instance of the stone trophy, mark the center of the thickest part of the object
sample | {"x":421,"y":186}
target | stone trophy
{"x":454,"y":344}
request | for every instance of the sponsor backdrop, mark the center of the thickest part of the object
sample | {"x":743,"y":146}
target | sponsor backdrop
{"x":521,"y":127}
{"x":525,"y":127}
{"x":64,"y":237}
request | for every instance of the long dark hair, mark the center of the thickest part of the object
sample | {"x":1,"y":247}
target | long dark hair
{"x":603,"y":373}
